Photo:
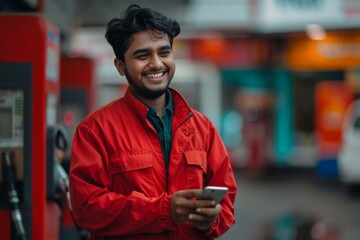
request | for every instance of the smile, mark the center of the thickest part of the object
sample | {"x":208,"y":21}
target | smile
{"x":154,"y":75}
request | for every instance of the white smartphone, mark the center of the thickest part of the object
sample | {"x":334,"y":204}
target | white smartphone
{"x":214,"y":193}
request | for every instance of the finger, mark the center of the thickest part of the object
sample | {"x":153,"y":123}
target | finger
{"x":199,"y":218}
{"x":182,"y":211}
{"x":194,"y":204}
{"x":190,"y":193}
{"x":211,"y":212}
{"x":183,"y":197}
{"x":205,"y":203}
{"x":187,"y":200}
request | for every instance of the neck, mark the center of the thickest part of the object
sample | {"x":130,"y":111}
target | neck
{"x":158,"y":103}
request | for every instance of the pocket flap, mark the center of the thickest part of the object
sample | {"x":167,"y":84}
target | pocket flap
{"x":197,"y":158}
{"x":130,"y":161}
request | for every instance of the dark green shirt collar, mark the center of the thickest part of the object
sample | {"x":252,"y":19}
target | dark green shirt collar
{"x":169,"y":109}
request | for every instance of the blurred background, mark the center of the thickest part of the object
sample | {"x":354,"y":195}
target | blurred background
{"x":279,"y":78}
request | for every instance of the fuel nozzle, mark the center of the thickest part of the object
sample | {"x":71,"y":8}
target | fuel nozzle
{"x":9,"y":182}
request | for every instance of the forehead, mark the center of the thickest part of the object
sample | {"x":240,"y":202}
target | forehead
{"x":148,"y":40}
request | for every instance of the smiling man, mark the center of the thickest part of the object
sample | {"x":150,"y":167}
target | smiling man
{"x":138,"y":163}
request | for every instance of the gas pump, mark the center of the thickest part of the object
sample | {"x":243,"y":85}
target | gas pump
{"x":29,"y":93}
{"x":77,"y":78}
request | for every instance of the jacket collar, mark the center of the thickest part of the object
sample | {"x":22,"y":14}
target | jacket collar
{"x":181,"y":108}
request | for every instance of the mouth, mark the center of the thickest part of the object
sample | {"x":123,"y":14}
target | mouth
{"x":154,"y":76}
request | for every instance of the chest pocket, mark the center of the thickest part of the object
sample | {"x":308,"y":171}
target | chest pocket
{"x":132,"y":171}
{"x":196,"y":168}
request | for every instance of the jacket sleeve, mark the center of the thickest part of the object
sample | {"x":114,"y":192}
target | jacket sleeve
{"x":100,"y":211}
{"x":220,"y":173}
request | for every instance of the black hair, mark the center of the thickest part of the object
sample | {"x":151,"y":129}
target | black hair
{"x":135,"y":19}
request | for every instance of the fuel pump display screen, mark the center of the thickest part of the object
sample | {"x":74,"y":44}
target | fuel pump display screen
{"x":11,"y":121}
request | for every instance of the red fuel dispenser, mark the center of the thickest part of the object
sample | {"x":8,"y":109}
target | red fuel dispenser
{"x":29,"y":92}
{"x":77,"y":99}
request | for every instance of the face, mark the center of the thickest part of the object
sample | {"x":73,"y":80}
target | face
{"x":149,"y":64}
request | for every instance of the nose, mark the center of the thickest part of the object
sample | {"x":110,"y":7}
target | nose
{"x":155,"y":62}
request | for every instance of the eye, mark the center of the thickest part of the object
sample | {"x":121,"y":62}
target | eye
{"x":142,"y":56}
{"x":165,"y":53}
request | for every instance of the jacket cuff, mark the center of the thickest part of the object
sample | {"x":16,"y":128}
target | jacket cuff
{"x":166,"y":221}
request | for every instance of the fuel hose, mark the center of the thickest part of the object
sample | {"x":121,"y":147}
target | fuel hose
{"x":9,"y":180}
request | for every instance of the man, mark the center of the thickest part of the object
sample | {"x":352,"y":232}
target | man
{"x":138,"y":164}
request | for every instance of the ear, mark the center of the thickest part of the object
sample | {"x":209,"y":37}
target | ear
{"x":119,"y":66}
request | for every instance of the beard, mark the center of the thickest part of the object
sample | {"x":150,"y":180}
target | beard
{"x":143,"y":91}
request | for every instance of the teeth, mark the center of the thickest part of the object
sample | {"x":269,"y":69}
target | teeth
{"x":154,"y":75}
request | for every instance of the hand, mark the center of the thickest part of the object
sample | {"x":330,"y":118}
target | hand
{"x":204,"y":218}
{"x":183,"y":204}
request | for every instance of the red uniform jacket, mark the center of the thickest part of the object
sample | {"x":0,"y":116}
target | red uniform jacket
{"x":119,"y":187}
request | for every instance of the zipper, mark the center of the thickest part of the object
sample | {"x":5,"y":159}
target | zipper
{"x":167,"y":169}
{"x":163,"y":150}
{"x":168,"y":165}
{"x":163,"y":153}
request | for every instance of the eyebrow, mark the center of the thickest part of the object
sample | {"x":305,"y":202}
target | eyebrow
{"x":146,"y":50}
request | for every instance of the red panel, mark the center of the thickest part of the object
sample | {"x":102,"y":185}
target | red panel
{"x":79,"y":72}
{"x":5,"y":223}
{"x":53,"y":216}
{"x":68,"y":220}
